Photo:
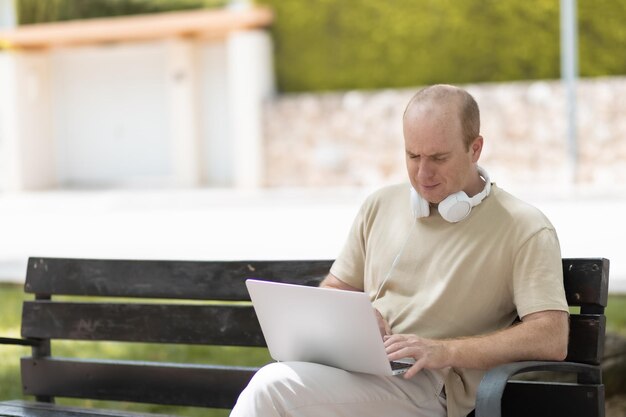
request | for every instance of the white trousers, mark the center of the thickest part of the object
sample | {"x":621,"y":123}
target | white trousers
{"x":290,"y":389}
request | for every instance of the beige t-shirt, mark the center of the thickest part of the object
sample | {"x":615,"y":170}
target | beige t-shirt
{"x":453,"y":279}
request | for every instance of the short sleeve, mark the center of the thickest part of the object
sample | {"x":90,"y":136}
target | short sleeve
{"x":538,"y":275}
{"x":349,"y":266}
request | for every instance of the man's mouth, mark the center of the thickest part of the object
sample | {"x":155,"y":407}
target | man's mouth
{"x":429,"y":187}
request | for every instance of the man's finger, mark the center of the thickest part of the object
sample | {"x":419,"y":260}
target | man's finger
{"x":413,"y":370}
{"x":383,"y":326}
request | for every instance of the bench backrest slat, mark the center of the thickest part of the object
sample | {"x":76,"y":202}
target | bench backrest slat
{"x":158,"y":383}
{"x":152,"y":323}
{"x":193,"y":280}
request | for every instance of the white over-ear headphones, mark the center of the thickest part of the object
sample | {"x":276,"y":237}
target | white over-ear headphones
{"x":454,"y":207}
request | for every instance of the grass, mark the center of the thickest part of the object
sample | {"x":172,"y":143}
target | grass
{"x":616,"y":314}
{"x":11,"y":297}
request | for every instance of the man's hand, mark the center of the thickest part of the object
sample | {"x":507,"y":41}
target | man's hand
{"x":429,"y":354}
{"x":383,"y":325}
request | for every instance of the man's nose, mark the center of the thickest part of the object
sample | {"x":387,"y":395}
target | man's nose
{"x":425,"y":170}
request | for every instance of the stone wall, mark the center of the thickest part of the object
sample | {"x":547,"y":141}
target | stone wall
{"x":354,"y":138}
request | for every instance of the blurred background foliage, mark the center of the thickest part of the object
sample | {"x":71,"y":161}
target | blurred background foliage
{"x":38,"y":11}
{"x":369,"y":44}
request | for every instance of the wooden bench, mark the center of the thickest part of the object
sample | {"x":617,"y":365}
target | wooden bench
{"x":148,"y":303}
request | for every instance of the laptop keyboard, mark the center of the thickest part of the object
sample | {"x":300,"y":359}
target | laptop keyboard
{"x":399,"y":365}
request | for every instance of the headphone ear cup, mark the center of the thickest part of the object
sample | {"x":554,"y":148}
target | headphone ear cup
{"x":419,"y":206}
{"x":455,"y":207}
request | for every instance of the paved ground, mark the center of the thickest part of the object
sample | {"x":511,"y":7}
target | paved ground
{"x":226,"y":224}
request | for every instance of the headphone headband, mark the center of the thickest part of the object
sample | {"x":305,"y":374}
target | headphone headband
{"x":455,"y":207}
{"x":478,"y":198}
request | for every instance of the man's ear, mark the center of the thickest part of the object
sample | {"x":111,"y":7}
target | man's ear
{"x":476,"y":148}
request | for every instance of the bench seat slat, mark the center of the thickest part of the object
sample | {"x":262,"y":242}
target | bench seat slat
{"x":551,"y":399}
{"x":143,"y":382}
{"x":18,"y":408}
{"x":233,"y":325}
{"x":194,"y":280}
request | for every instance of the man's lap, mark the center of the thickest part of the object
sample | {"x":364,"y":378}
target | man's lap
{"x":303,"y":389}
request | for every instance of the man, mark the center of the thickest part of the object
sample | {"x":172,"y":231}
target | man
{"x":446,"y":283}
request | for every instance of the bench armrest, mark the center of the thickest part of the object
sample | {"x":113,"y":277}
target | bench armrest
{"x":21,"y":342}
{"x":491,"y":388}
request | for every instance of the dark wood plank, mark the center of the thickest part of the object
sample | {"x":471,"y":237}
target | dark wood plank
{"x":586,"y":340}
{"x":586,"y":281}
{"x":159,"y":323}
{"x":545,"y":399}
{"x":196,"y":280}
{"x":155,"y":383}
{"x":19,"y":408}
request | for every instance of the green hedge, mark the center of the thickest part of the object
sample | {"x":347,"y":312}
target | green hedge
{"x":367,"y":44}
{"x":332,"y":44}
{"x":38,"y":11}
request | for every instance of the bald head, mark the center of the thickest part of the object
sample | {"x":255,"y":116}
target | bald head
{"x":442,"y":101}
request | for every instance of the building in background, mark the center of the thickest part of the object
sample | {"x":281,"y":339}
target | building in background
{"x":172,"y":99}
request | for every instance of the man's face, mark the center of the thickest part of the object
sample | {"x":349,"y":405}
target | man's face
{"x":437,"y":162}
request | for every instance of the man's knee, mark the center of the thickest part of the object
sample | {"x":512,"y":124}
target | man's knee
{"x":267,"y":390}
{"x":271,"y":377}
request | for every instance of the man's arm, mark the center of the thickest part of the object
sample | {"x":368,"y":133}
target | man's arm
{"x":540,"y":336}
{"x":332,"y":281}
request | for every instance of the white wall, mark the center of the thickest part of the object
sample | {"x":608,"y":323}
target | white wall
{"x":7,"y":14}
{"x":111,"y":115}
{"x":26,"y":142}
{"x":178,"y":112}
{"x":215,"y":115}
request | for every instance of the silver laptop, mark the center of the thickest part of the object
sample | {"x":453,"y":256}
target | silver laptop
{"x":331,"y":327}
